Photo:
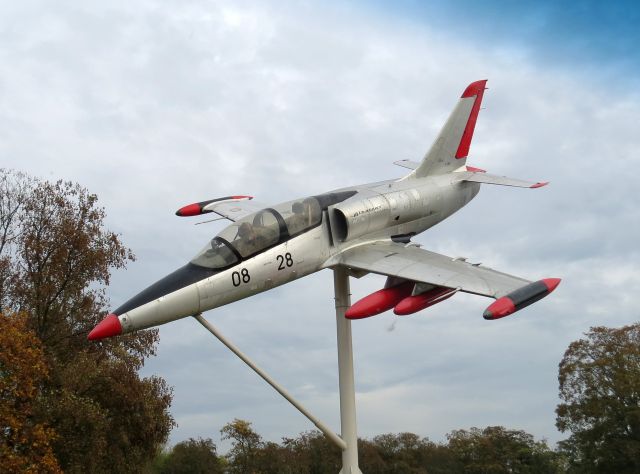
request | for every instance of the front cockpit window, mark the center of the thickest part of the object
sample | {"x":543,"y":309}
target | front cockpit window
{"x":216,"y":254}
{"x":254,"y":233}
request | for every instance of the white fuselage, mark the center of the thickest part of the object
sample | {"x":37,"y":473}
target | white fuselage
{"x":377,"y":211}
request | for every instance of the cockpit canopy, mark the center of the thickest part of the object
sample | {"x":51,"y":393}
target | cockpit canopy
{"x":259,"y":231}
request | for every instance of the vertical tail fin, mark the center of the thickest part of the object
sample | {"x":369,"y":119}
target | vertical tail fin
{"x":450,"y":150}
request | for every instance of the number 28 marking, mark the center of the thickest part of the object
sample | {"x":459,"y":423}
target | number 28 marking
{"x":284,"y":261}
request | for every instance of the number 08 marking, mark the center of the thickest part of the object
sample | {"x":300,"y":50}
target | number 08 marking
{"x":240,"y":277}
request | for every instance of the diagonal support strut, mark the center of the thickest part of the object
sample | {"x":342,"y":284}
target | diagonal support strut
{"x":281,"y":390}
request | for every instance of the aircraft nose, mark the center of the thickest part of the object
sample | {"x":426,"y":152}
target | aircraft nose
{"x":108,"y":327}
{"x":187,"y":275}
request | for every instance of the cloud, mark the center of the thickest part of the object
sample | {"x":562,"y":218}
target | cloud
{"x":154,"y":105}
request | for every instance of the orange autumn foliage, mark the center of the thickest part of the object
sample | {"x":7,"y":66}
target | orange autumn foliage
{"x":24,"y":444}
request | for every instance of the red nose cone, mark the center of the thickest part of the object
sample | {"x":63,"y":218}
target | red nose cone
{"x":108,"y":327}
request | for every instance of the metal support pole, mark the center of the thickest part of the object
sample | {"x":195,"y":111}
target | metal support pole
{"x":345,"y":369}
{"x":321,"y":426}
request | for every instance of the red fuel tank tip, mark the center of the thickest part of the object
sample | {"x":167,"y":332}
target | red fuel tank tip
{"x":110,"y":326}
{"x":499,"y":308}
{"x":190,"y":210}
{"x":551,"y":283}
{"x":539,"y":185}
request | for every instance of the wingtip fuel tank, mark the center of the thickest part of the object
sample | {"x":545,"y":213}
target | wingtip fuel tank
{"x":520,"y":298}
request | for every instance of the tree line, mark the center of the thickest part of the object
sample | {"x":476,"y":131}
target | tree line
{"x":67,"y":405}
{"x":494,"y":449}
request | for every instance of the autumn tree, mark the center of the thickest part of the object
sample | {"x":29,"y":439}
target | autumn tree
{"x":55,"y":262}
{"x":194,"y":456}
{"x":599,"y":381}
{"x":312,"y":452}
{"x":404,"y":453}
{"x":245,"y":446}
{"x":496,"y":449}
{"x":25,"y":444}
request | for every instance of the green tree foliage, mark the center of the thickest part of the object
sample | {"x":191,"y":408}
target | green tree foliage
{"x":55,"y":261}
{"x":194,"y":456}
{"x":311,"y":452}
{"x":25,"y":444}
{"x":404,"y":453}
{"x":599,"y":381}
{"x":498,"y":450}
{"x":491,"y":450}
{"x":246,"y":446}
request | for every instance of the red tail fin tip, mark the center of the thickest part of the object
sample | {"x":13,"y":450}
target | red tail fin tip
{"x":474,"y":89}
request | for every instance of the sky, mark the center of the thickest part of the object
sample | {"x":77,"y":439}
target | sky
{"x":154,"y":105}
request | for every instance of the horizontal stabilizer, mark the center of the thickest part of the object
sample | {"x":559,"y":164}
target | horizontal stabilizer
{"x":410,"y":164}
{"x":488,"y":178}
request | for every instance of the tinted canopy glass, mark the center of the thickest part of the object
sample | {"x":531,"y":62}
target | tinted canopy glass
{"x":300,"y":215}
{"x":254,"y":233}
{"x":261,"y":230}
{"x":216,"y":254}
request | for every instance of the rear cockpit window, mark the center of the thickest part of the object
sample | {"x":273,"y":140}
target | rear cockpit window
{"x":216,"y":254}
{"x":300,"y":215}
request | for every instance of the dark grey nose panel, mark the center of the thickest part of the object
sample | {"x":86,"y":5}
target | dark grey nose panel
{"x":182,"y":277}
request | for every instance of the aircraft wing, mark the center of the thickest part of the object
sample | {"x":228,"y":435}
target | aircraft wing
{"x":230,"y":207}
{"x":412,"y":263}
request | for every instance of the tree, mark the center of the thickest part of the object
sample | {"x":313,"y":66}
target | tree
{"x":194,"y":456}
{"x":55,"y":262}
{"x":24,"y":443}
{"x":401,"y":452}
{"x":404,"y":453}
{"x":245,"y":446}
{"x":599,"y":381}
{"x":313,"y":453}
{"x":498,"y":450}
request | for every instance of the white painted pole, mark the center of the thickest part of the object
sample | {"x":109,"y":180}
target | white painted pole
{"x":321,"y":426}
{"x":345,"y":369}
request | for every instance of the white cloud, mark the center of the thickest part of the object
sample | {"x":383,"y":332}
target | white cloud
{"x":154,"y":105}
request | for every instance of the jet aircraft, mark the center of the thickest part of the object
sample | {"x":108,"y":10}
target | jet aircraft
{"x":366,"y":229}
